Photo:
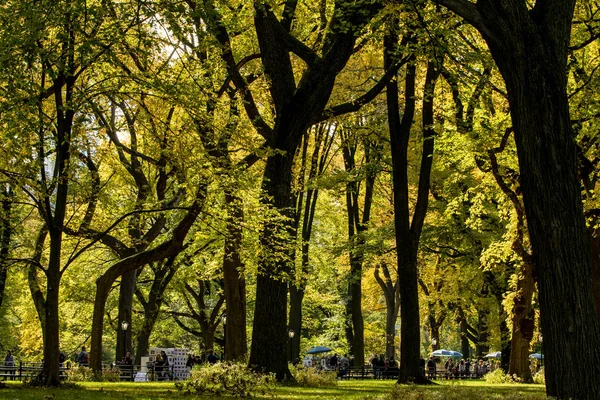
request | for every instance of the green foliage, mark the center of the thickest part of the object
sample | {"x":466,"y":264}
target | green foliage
{"x":498,"y":376}
{"x":311,"y":377}
{"x":539,"y":377}
{"x":85,"y":374}
{"x":227,"y":378}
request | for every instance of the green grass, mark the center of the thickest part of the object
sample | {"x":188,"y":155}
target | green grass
{"x":360,"y":390}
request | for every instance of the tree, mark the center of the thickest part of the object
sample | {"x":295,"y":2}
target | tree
{"x":530,"y":47}
{"x":408,"y":231}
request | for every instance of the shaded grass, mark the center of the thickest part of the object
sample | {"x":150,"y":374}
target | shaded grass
{"x":346,"y":390}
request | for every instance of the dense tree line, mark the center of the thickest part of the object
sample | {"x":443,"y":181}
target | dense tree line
{"x":333,"y":168}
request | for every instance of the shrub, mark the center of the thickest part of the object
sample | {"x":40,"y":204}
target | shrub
{"x":539,"y":377}
{"x":498,"y":376}
{"x":85,"y":374}
{"x":227,"y":378}
{"x":311,"y":377}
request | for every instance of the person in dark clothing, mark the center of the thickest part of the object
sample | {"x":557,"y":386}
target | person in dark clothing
{"x":9,"y":362}
{"x":380,"y":366}
{"x":212,"y":358}
{"x":127,"y":360}
{"x":190,"y":361}
{"x":430,"y":368}
{"x":333,"y":362}
{"x":166,"y":369}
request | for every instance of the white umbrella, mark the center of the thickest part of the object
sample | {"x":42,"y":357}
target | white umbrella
{"x":496,"y":354}
{"x":446,"y":353}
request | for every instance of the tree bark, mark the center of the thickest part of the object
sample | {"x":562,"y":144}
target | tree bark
{"x":126,"y":289}
{"x":5,"y":235}
{"x":234,"y":283}
{"x":596,"y":270}
{"x":296,"y":297}
{"x":269,"y":333}
{"x":523,"y":322}
{"x":530,"y":48}
{"x":391,"y":292}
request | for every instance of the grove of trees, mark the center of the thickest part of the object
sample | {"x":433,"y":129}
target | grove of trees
{"x":378,"y":177}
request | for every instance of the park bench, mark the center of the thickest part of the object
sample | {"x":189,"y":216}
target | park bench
{"x":26,"y":370}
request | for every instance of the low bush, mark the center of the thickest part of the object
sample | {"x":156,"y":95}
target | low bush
{"x":498,"y":377}
{"x":311,"y":377}
{"x":227,"y":378}
{"x":85,"y":374}
{"x":539,"y":377}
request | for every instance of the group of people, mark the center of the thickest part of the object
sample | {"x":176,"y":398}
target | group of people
{"x":192,"y":359}
{"x":384,"y":366}
{"x":462,"y":368}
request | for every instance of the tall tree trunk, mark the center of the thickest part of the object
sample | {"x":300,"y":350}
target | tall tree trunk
{"x":50,"y":371}
{"x":234,"y":283}
{"x":465,"y":346}
{"x":5,"y":235}
{"x":269,"y":332}
{"x":357,"y":228}
{"x":596,"y":270}
{"x":126,"y":289}
{"x":408,"y":234}
{"x":523,"y":322}
{"x":482,"y":347}
{"x":530,"y":48}
{"x":547,"y":157}
{"x":391,"y":292}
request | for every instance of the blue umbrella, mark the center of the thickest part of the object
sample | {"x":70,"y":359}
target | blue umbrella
{"x":537,"y":356}
{"x":496,"y":354}
{"x":446,"y":353}
{"x":318,"y":349}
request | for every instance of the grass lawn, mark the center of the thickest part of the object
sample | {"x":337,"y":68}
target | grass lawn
{"x":359,"y":390}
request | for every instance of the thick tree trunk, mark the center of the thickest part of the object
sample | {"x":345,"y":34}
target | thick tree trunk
{"x":523,"y":322}
{"x":269,"y":333}
{"x":547,"y":157}
{"x":530,"y":48}
{"x":391,"y":316}
{"x":354,"y":312}
{"x":126,"y":289}
{"x":596,"y":270}
{"x":234,"y":283}
{"x":151,"y":311}
{"x":50,"y":372}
